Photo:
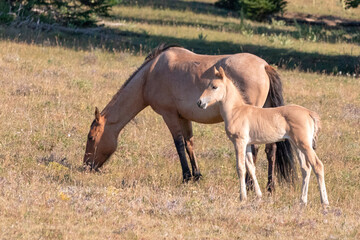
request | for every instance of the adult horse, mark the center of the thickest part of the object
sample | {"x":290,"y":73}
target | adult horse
{"x":170,"y":81}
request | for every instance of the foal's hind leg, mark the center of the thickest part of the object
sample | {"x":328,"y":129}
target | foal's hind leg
{"x":305,"y":172}
{"x":318,"y":168}
{"x":251,"y":170}
{"x":189,"y":145}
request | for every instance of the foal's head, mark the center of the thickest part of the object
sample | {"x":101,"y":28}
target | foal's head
{"x":215,"y":91}
{"x":100,"y":143}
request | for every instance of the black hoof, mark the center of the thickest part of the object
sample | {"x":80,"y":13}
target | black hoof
{"x":270,"y":188}
{"x":197,"y":176}
{"x":186,"y":177}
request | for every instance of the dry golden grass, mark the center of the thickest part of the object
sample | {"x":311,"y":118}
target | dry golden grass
{"x":48,"y":97}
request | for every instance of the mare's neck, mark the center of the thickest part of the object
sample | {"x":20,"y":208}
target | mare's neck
{"x":125,"y":104}
{"x":231,"y":101}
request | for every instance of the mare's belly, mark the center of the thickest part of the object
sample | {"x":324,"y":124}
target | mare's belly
{"x":196,"y":114}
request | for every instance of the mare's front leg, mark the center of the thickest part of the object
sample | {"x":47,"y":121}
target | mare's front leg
{"x":173,"y":123}
{"x":189,"y":145}
{"x":240,"y":150}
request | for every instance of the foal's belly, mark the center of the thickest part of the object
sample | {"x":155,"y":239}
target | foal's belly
{"x":269,"y":138}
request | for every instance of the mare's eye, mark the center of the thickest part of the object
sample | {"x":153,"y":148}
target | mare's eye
{"x":214,"y":87}
{"x":90,"y":138}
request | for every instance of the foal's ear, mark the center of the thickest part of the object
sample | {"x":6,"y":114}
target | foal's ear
{"x":97,"y":114}
{"x":217,"y":73}
{"x":222,"y":72}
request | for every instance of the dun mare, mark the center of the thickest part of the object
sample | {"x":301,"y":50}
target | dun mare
{"x":170,"y":81}
{"x":246,"y":124}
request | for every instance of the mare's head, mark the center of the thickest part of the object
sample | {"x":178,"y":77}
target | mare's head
{"x":101,"y":143}
{"x":215,"y":91}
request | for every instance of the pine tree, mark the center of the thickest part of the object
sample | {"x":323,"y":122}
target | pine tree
{"x":65,"y":12}
{"x":351,"y":3}
{"x":254,"y":9}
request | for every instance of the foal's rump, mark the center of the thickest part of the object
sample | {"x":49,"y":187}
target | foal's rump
{"x":317,"y":126}
{"x":305,"y":122}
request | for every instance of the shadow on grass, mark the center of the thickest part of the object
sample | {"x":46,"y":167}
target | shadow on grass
{"x":308,"y":32}
{"x":114,"y":40}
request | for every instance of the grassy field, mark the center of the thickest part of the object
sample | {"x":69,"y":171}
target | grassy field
{"x":51,"y":82}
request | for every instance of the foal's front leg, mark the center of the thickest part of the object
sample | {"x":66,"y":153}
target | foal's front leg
{"x":248,"y":179}
{"x":240,"y":150}
{"x":250,"y":166}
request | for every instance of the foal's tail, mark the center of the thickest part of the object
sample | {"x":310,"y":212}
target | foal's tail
{"x":317,"y":126}
{"x":285,"y":164}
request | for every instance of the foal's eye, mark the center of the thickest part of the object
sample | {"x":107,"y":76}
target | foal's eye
{"x":90,"y":138}
{"x":214,"y":87}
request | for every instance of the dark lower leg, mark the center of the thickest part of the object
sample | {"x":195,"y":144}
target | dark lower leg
{"x":270,"y":150}
{"x":180,"y":148}
{"x":189,"y":144}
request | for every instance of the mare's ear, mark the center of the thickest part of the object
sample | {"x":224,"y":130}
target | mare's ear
{"x":97,"y":114}
{"x":217,"y":73}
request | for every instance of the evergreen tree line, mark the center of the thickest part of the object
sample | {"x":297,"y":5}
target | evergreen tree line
{"x":257,"y":10}
{"x":83,"y":12}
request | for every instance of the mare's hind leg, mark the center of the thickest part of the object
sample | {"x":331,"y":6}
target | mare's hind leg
{"x":248,"y":180}
{"x":173,"y":123}
{"x":270,"y":150}
{"x":250,"y":165}
{"x":189,"y":145}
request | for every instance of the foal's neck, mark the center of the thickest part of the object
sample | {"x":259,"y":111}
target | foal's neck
{"x":232,"y":100}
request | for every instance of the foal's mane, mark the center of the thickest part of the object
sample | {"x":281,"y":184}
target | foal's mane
{"x":241,"y":91}
{"x":239,"y":88}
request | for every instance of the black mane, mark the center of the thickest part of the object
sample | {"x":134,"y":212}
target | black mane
{"x":154,"y":53}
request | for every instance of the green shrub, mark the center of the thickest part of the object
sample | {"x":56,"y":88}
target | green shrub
{"x":65,"y":12}
{"x":254,"y":9}
{"x":233,"y":5}
{"x":351,"y":3}
{"x":5,"y":13}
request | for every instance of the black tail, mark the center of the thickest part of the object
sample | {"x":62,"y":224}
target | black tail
{"x":284,"y":162}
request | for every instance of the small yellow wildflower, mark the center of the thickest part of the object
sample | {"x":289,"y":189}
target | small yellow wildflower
{"x":111,"y":191}
{"x":63,"y":196}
